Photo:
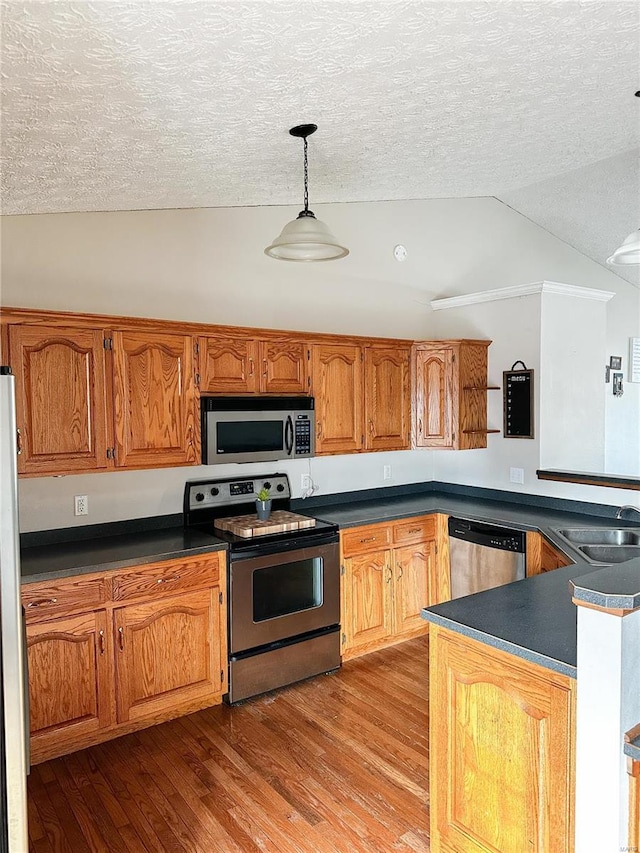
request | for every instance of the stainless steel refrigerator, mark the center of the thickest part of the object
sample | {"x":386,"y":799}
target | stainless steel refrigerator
{"x":13,"y":689}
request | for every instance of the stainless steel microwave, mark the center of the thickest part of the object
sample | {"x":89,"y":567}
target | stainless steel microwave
{"x":257,"y":429}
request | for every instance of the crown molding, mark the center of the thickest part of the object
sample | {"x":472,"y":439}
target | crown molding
{"x":518,"y":290}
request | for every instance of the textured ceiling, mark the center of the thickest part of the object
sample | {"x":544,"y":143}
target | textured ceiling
{"x":124,"y":105}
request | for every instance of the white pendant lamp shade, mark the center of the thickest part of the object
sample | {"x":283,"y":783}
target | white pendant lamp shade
{"x":628,"y":252}
{"x":305,"y":238}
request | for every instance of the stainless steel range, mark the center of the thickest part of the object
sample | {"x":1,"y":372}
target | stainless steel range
{"x":283,"y":588}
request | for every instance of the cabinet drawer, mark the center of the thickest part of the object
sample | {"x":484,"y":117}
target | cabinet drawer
{"x":168,"y":577}
{"x":419,"y":529}
{"x":363,"y":539}
{"x":45,"y":600}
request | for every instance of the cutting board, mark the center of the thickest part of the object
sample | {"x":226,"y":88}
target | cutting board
{"x":280,"y":521}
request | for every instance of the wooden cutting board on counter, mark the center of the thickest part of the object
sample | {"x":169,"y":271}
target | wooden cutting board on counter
{"x":280,"y":521}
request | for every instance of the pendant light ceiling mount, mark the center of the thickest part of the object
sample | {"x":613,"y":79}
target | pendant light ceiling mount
{"x":305,"y":238}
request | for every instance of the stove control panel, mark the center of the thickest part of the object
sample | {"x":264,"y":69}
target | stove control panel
{"x":227,"y":492}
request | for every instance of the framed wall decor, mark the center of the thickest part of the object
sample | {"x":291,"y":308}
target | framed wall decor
{"x":518,"y":402}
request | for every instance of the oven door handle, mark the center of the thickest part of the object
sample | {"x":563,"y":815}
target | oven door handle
{"x":288,"y":435}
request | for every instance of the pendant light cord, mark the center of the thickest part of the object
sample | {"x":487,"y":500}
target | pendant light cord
{"x":306,"y":179}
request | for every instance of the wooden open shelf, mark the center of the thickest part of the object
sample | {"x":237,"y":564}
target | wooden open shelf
{"x":480,"y":387}
{"x":479,"y":431}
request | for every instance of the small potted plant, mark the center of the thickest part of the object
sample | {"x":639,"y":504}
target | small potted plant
{"x":263,"y":504}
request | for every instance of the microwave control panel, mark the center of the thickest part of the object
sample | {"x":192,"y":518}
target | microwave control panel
{"x":302,"y":428}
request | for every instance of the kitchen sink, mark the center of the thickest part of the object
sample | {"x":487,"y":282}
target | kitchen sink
{"x":602,"y":536}
{"x":607,"y":554}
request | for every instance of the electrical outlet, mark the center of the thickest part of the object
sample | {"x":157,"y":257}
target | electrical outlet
{"x":81,"y":505}
{"x":386,"y":472}
{"x":516,"y":475}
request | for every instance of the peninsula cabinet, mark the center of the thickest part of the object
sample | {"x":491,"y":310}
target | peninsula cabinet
{"x":247,"y":366}
{"x":91,"y":399}
{"x":362,"y":397}
{"x":112,"y":653}
{"x":449,"y":380}
{"x":502,"y":763}
{"x":387,"y":575}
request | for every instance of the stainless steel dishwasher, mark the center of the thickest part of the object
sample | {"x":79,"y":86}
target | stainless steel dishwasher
{"x":483,"y":556}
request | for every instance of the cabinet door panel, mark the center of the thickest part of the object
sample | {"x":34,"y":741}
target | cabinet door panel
{"x":284,"y":367}
{"x":412,"y":568}
{"x":337,"y":386}
{"x":69,"y":678}
{"x":387,"y":404}
{"x":228,"y":365}
{"x":154,"y":399}
{"x":367,"y":615}
{"x":502,"y":759}
{"x":167,"y":653}
{"x":434,"y":405}
{"x":60,"y":398}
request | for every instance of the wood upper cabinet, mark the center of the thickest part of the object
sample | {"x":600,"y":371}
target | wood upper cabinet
{"x":337,"y":384}
{"x":70,"y":685}
{"x":246,"y":366}
{"x":450,"y":394}
{"x":154,"y":399}
{"x":167,"y":652}
{"x":387,"y":405}
{"x":60,"y":398}
{"x":501,"y":751}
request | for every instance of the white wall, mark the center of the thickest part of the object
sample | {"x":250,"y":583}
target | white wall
{"x":208,"y":265}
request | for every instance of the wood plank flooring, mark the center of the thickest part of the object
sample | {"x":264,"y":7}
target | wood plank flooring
{"x":336,"y":764}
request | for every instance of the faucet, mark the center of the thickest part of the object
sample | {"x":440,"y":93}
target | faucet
{"x":626,"y":506}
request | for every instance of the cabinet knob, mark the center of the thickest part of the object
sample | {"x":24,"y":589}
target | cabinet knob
{"x":264,"y":366}
{"x":389,"y":574}
{"x":121,"y":638}
{"x":250,"y":367}
{"x":101,"y":641}
{"x":41,"y":602}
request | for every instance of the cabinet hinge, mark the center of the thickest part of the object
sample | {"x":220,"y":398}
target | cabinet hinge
{"x":342,"y":569}
{"x":196,"y":348}
{"x":362,"y":439}
{"x":220,"y":598}
{"x":221,"y":676}
{"x":344,"y":639}
{"x":453,"y":358}
{"x":308,"y":355}
{"x":107,"y":343}
{"x":361,"y":356}
{"x":308,"y":382}
{"x":197,"y":380}
{"x":111,"y":453}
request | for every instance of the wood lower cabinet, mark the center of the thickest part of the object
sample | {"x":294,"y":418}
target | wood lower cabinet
{"x":337,"y":386}
{"x":167,"y":652}
{"x":154,"y":399}
{"x":542,"y":556}
{"x":60,"y":398}
{"x":70,"y":680}
{"x":247,"y":366}
{"x":154,"y":649}
{"x":450,"y":388}
{"x":502,"y":762}
{"x":387,"y":573}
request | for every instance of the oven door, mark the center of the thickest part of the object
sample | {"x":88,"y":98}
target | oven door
{"x":279,"y":596}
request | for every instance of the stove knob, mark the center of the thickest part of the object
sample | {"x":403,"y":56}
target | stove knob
{"x":280,"y":487}
{"x":267,"y":485}
{"x":199,"y":497}
{"x":215,"y":491}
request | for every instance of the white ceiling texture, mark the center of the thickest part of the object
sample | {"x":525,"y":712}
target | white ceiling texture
{"x":111,"y":105}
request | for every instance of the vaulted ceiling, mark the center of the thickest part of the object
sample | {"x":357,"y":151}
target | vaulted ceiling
{"x":187,"y":103}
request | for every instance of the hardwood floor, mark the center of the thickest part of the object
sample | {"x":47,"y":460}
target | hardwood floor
{"x":336,"y":764}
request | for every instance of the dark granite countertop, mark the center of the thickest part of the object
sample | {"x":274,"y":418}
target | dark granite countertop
{"x":535,"y":618}
{"x":83,"y":556}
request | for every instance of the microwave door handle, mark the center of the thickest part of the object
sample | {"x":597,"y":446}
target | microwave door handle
{"x":288,"y":435}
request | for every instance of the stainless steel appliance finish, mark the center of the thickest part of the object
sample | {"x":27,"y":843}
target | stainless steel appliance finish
{"x":483,"y":556}
{"x":283,"y":588}
{"x":257,"y":429}
{"x":14,"y":727}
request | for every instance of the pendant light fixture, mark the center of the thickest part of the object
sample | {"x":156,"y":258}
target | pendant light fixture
{"x":305,"y":238}
{"x":628,"y":252}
